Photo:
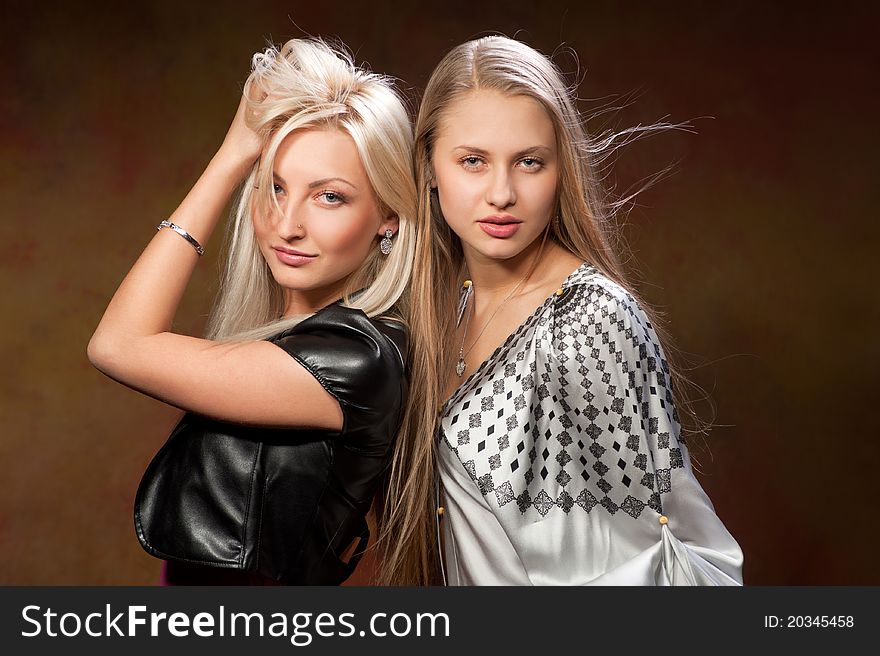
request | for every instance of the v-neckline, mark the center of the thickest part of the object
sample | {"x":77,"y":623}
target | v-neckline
{"x":491,"y":357}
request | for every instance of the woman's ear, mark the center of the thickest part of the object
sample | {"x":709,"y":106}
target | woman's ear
{"x":391,"y":222}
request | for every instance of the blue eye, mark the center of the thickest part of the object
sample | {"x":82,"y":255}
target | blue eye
{"x":471,"y":161}
{"x":277,"y":188}
{"x":331,"y":198}
{"x":531,"y":163}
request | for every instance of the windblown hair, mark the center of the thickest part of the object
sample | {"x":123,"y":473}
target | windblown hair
{"x":586,"y":228}
{"x":307,"y":84}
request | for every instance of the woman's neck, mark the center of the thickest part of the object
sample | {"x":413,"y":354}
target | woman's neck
{"x":495,"y":278}
{"x":300,"y":302}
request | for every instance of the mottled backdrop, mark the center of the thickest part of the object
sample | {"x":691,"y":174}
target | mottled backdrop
{"x":757,"y":249}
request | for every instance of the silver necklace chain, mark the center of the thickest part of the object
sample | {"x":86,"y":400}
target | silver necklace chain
{"x":461,"y":365}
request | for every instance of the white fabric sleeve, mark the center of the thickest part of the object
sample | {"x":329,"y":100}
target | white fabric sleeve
{"x":631,"y":449}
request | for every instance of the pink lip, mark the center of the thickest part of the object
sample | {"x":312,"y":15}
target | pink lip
{"x":292,"y":257}
{"x":501,"y":226}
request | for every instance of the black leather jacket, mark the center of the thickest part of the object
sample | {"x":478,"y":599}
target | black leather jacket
{"x":282,"y":502}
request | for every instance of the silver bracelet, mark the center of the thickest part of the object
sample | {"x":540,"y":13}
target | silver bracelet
{"x":183,"y":233}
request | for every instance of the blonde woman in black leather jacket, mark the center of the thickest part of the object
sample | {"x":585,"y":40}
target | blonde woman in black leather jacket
{"x":294,"y":397}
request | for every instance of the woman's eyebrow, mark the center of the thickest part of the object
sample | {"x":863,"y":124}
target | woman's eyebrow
{"x":533,"y":149}
{"x":517,"y":155}
{"x":323,"y":181}
{"x":472,"y":149}
{"x":317,"y":183}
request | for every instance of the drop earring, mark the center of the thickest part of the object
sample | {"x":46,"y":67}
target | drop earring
{"x":386,"y":244}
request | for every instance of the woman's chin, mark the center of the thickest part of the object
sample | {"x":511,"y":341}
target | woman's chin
{"x":499,"y":249}
{"x":314,"y":286}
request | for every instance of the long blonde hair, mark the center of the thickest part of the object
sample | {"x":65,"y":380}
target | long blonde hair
{"x":308,"y":84}
{"x":586,"y":228}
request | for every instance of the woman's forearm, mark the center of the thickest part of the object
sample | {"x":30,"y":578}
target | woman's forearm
{"x":148,"y":297}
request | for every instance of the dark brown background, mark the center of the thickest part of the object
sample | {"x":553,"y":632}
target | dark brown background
{"x":759,"y":249}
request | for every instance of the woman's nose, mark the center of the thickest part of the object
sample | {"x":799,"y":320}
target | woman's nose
{"x":290,"y":222}
{"x":501,"y":193}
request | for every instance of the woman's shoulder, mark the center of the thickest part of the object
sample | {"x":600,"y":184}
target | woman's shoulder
{"x":593,"y":305}
{"x":361,"y":361}
{"x":342,"y":327}
{"x":589,"y":290}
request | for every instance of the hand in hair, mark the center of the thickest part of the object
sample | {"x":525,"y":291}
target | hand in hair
{"x":242,"y":145}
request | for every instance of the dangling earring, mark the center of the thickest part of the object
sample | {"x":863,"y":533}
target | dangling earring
{"x":386,"y":244}
{"x":556,"y":223}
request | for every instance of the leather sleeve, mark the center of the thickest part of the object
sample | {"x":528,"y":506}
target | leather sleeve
{"x":358,"y":360}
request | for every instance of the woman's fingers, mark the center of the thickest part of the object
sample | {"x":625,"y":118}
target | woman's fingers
{"x":241,"y":141}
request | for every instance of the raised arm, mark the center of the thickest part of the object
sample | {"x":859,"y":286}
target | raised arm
{"x":250,"y":382}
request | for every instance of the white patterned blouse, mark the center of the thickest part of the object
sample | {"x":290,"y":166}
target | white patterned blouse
{"x":561,"y":461}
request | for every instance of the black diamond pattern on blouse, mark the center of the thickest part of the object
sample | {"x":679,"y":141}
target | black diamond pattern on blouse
{"x":582,"y":388}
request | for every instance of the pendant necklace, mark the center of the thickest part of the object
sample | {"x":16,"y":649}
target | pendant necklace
{"x":461,"y":365}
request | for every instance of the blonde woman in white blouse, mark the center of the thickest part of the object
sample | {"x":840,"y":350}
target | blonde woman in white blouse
{"x":558,"y":446}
